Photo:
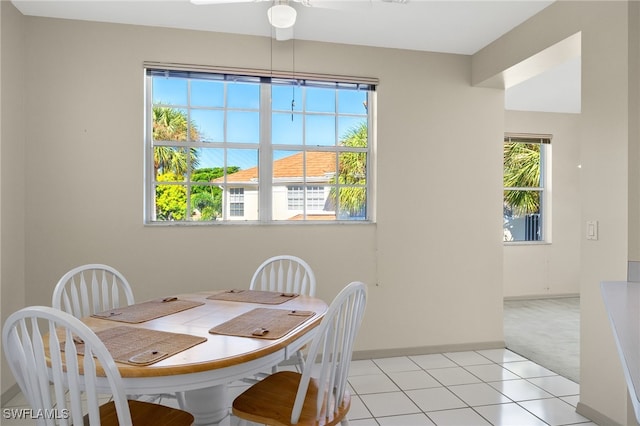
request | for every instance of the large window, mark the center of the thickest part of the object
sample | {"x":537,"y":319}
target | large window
{"x":525,"y":181}
{"x":225,"y":147}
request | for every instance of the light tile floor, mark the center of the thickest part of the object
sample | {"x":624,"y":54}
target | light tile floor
{"x":486,"y":387}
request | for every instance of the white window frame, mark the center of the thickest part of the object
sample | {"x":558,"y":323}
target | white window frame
{"x":265,"y":158}
{"x":545,"y":184}
{"x":236,"y":199}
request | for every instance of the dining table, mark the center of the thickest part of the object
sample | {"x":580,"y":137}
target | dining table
{"x":199,"y":343}
{"x":622,"y":304}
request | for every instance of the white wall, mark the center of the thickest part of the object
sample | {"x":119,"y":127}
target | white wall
{"x":12,"y":163}
{"x":423,"y":262}
{"x":534,"y":270}
{"x":607,"y":68}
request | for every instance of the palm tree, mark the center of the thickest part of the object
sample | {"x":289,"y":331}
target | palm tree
{"x":352,"y":171}
{"x":521,"y":170}
{"x":170,"y":124}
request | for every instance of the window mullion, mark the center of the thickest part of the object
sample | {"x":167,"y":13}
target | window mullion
{"x":149,"y":204}
{"x":265,"y":156}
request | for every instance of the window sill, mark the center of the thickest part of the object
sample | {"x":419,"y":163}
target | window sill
{"x":525,"y":243}
{"x":256,"y":223}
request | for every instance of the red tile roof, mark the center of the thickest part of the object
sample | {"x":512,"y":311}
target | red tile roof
{"x":319,"y":164}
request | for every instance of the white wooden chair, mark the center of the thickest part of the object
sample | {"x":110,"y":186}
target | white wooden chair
{"x":285,"y":273}
{"x":290,"y":398}
{"x":37,"y":340}
{"x":91,"y":288}
{"x":88,"y":289}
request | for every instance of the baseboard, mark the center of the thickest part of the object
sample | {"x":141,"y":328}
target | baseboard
{"x":425,"y":350}
{"x":594,"y":415}
{"x":542,"y":296}
{"x":9,"y":394}
{"x":633,"y":271}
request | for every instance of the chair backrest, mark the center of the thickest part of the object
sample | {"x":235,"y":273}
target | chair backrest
{"x":284,"y":273}
{"x":91,"y":288}
{"x":333,"y":343}
{"x":27,"y":334}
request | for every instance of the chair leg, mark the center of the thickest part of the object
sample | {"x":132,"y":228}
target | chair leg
{"x":344,"y":421}
{"x":300,"y":361}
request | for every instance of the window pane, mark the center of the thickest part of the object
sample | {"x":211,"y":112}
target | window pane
{"x":170,"y":202}
{"x":320,"y":130}
{"x":169,"y":91}
{"x":352,"y":204}
{"x":243,"y":127}
{"x":243,"y":163}
{"x":207,"y":93}
{"x":321,"y":167}
{"x":281,"y":97}
{"x":521,"y":216}
{"x":352,"y":131}
{"x":242,"y":184}
{"x":209,"y":166}
{"x":206,"y":202}
{"x":352,"y":102}
{"x":316,"y":198}
{"x":320,"y":100}
{"x":243,"y":95}
{"x":170,"y":124}
{"x":170,"y":163}
{"x":286,"y":129}
{"x":210,"y":160}
{"x":287,"y":167}
{"x":521,"y":165}
{"x":208,"y":125}
{"x":353,"y":168}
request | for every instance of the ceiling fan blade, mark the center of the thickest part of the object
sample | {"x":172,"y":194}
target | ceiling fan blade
{"x":283,"y":34}
{"x":337,"y":4}
{"x":200,"y":2}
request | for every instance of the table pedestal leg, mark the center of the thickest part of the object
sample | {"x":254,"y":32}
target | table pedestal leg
{"x":209,"y":406}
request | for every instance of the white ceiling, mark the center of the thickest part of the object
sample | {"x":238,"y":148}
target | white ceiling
{"x":448,"y":26}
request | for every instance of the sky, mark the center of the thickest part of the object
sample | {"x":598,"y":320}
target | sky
{"x":319,"y":120}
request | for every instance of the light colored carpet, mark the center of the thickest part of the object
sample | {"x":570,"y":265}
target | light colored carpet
{"x":546,"y":331}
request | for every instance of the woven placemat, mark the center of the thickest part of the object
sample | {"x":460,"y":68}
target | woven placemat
{"x":145,"y":311}
{"x":263,"y":323}
{"x":254,"y":296}
{"x":140,"y":346}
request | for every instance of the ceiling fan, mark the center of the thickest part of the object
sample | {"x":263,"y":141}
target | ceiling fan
{"x":282,"y":16}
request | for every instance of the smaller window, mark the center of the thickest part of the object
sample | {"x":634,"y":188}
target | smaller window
{"x":524,"y":183}
{"x":236,"y":202}
{"x":295,"y":197}
{"x":316,"y":197}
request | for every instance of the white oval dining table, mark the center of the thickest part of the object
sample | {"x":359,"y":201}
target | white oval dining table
{"x":203,"y":372}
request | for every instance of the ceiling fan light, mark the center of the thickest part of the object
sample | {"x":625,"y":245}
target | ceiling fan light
{"x":282,"y":16}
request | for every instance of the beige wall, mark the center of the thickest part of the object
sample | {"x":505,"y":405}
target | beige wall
{"x":634,"y":149}
{"x":533,"y":270}
{"x":439,"y":256}
{"x":439,"y":144}
{"x":12,"y":166}
{"x":604,"y":148}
